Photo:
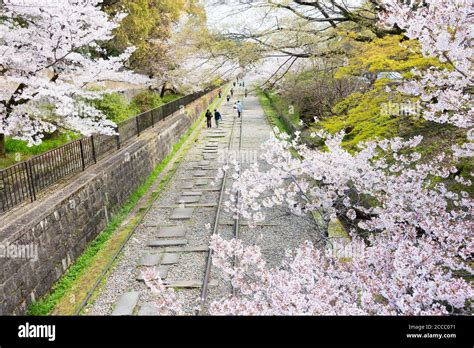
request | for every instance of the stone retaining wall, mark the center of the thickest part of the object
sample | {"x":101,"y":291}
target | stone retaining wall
{"x":39,"y":241}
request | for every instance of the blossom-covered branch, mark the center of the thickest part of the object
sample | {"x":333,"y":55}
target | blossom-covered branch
{"x":443,"y":29}
{"x":48,"y":65}
{"x":405,"y":255}
{"x":165,"y":300}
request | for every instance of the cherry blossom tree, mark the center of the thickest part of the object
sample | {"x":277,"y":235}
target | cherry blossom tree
{"x":410,"y":235}
{"x":48,"y":64}
{"x":443,"y":29}
{"x":405,"y":247}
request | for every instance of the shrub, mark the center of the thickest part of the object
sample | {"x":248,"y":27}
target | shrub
{"x":147,"y":100}
{"x":116,"y":107}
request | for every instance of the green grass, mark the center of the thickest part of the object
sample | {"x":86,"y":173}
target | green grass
{"x":88,"y":259}
{"x":20,"y":146}
{"x":114,"y":105}
{"x":170,"y":97}
{"x":283,"y":106}
{"x":9,"y":160}
{"x":270,"y":111}
{"x":18,"y":150}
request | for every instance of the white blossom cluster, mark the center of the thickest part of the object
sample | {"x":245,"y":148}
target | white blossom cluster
{"x":411,"y":238}
{"x":444,"y":31}
{"x":47,"y":63}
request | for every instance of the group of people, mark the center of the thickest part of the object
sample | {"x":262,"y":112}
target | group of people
{"x":217,"y":115}
{"x":232,"y":91}
{"x":241,"y":83}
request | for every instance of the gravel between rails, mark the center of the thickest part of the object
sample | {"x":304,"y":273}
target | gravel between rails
{"x":122,"y":277}
{"x":289,"y":231}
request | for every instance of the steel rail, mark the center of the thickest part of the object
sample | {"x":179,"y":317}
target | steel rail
{"x":207,"y":273}
{"x":237,"y":199}
{"x":109,"y":265}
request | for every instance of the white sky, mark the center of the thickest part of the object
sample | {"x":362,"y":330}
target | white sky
{"x":222,"y":15}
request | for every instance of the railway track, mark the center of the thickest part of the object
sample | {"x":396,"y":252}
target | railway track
{"x":215,"y":230}
{"x":172,"y":238}
{"x":114,"y":258}
{"x":133,"y":291}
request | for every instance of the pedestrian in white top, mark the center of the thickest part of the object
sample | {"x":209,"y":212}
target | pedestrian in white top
{"x":238,"y":107}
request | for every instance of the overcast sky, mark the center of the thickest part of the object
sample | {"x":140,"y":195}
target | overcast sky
{"x":224,"y":14}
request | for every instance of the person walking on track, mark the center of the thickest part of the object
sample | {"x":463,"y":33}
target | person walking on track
{"x":246,"y":93}
{"x":220,"y":93}
{"x":228,"y":97}
{"x":217,"y":117}
{"x":209,"y":119}
{"x":232,"y":92}
{"x":238,"y":107}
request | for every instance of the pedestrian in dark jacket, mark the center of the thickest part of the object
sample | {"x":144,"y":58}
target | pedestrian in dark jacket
{"x":209,"y":119}
{"x":217,"y":117}
{"x":228,"y":97}
{"x":220,"y":93}
{"x":232,"y":92}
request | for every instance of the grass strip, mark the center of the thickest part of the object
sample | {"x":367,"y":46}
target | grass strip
{"x":271,"y":113}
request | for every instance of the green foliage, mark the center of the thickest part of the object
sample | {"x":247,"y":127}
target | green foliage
{"x":390,"y":53}
{"x":313,"y":92}
{"x":216,"y":82}
{"x":170,"y":97}
{"x":116,"y":107}
{"x":20,"y":146}
{"x":363,"y":115}
{"x":148,"y":27}
{"x":18,"y":150}
{"x":147,"y":100}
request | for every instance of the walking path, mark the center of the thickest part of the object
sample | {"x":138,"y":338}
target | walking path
{"x":172,"y":237}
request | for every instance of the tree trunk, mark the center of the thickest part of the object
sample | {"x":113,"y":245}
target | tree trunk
{"x":3,"y":152}
{"x":163,"y":90}
{"x":52,"y":135}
